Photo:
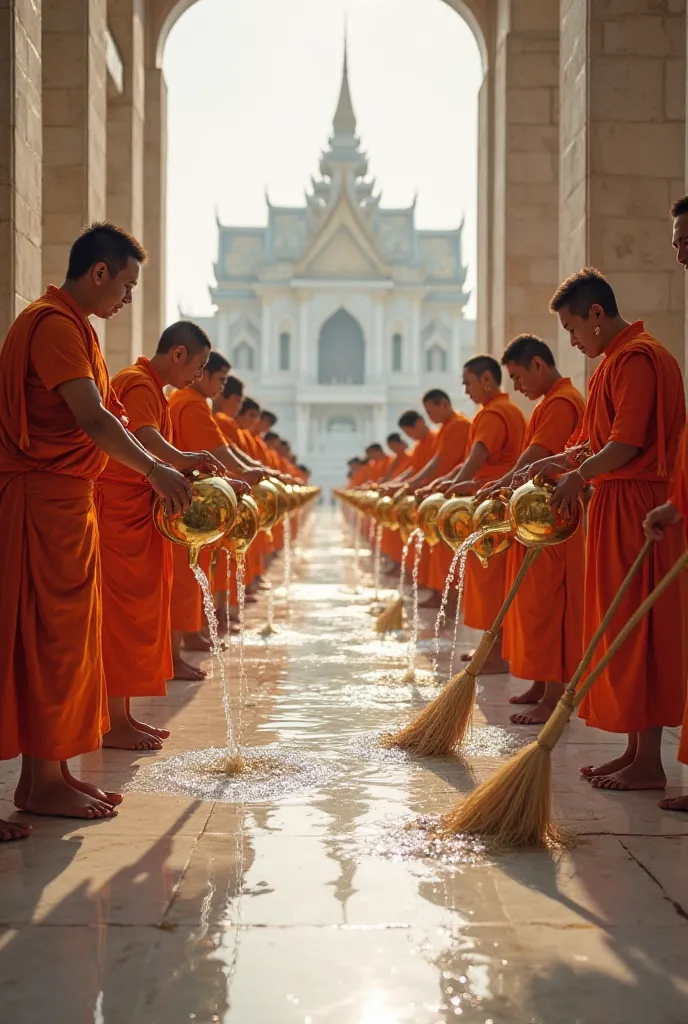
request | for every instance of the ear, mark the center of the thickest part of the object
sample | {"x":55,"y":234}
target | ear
{"x":596,"y":311}
{"x":100,"y":273}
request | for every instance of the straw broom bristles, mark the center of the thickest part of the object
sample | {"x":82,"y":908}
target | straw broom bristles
{"x":442,"y":724}
{"x":514,"y":807}
{"x":392,"y":618}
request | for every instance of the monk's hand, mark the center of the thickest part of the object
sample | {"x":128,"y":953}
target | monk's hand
{"x":567,"y":492}
{"x":659,"y":518}
{"x":204,"y":462}
{"x":459,"y":490}
{"x":240,"y":487}
{"x":254,"y":476}
{"x":172,"y":486}
{"x":551,"y":466}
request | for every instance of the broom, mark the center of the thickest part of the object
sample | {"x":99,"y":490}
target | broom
{"x":392,"y":618}
{"x":514,"y":807}
{"x":442,"y":724}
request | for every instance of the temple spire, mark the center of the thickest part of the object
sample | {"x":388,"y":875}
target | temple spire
{"x":344,"y":119}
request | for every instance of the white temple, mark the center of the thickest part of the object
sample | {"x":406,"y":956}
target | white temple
{"x":340,"y":313}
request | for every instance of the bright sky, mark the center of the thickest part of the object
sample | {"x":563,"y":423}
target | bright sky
{"x":253,"y":86}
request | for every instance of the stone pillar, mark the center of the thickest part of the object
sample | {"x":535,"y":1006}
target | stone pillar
{"x":74,"y":126}
{"x":623,"y":83}
{"x":20,"y":157}
{"x":125,"y":149}
{"x":485,"y":197}
{"x":524,"y":170}
{"x":413,"y":364}
{"x":155,"y":207}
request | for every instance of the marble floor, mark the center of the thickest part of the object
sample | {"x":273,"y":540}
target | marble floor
{"x":301,"y":904}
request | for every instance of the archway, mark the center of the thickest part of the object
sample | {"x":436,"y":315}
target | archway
{"x":341,"y":350}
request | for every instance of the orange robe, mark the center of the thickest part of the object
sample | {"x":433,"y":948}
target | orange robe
{"x":452,"y":449}
{"x":136,"y":559}
{"x":53,"y":702}
{"x":391,"y":541}
{"x":543,"y":632}
{"x":635,"y":397}
{"x":194,"y":429}
{"x":679,"y":497}
{"x":421,"y":453}
{"x":500,"y":426}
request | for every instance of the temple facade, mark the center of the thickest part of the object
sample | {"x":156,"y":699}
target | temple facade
{"x":339,"y":313}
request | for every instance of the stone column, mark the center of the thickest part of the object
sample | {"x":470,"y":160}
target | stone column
{"x":155,"y":207}
{"x":524,"y":170}
{"x":125,"y":148}
{"x":623,"y":84}
{"x":20,"y":157}
{"x":74,"y":126}
{"x":413,"y":346}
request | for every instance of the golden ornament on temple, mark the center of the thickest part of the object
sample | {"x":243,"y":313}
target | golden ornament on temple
{"x":535,"y":523}
{"x":493,"y":521}
{"x":428,"y":510}
{"x":245,"y":527}
{"x":210,"y":516}
{"x":455,"y":520}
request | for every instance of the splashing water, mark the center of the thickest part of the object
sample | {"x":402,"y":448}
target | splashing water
{"x":216,"y":656}
{"x":286,"y":581}
{"x":402,"y":574}
{"x":462,"y":552}
{"x":442,"y":613}
{"x":418,"y":538}
{"x":377,"y":562}
{"x":241,"y":590}
{"x":357,"y":544}
{"x":269,"y":627}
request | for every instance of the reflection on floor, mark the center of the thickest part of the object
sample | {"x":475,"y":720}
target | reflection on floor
{"x":297,"y":907}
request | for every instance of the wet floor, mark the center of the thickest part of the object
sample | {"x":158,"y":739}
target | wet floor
{"x":302,"y":900}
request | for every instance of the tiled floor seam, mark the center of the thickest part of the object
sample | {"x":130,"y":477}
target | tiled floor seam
{"x":675,"y":904}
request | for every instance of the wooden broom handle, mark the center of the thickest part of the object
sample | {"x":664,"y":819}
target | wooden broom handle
{"x":611,"y":612}
{"x":530,"y":556}
{"x":678,"y":567}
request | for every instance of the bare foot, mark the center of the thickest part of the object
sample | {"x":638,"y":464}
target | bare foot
{"x":532,"y":696}
{"x":250,"y":599}
{"x":674,"y":803}
{"x":152,"y":730}
{"x":94,"y":791}
{"x":433,"y":601}
{"x":59,"y":800}
{"x":10,"y":830}
{"x":632,"y":777}
{"x":183,"y":670}
{"x":126,"y":737}
{"x":540,"y":713}
{"x":609,"y":768}
{"x":196,"y":642}
{"x":467,"y":656}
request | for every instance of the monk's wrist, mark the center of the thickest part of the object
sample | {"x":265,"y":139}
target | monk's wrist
{"x":152,"y":469}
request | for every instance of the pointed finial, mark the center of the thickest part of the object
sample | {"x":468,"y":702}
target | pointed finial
{"x":344,"y":119}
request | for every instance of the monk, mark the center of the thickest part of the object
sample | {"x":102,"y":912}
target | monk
{"x":495,"y":443}
{"x":450,"y":452}
{"x":136,"y":559}
{"x":195,"y":429}
{"x":543,"y":632}
{"x":414,"y":426}
{"x":226,"y":405}
{"x":675,"y":511}
{"x":401,"y":463}
{"x":633,"y":423}
{"x":59,"y":422}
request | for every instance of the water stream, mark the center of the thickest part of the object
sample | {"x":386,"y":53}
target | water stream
{"x":419,"y":540}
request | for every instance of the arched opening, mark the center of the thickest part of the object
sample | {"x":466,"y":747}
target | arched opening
{"x":243,"y":356}
{"x":285,"y":351}
{"x":341,"y":350}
